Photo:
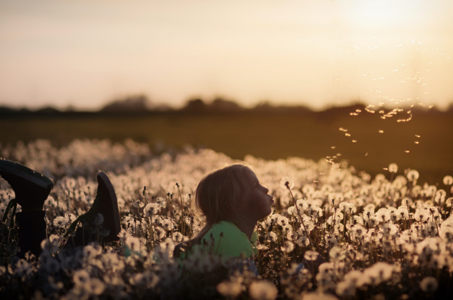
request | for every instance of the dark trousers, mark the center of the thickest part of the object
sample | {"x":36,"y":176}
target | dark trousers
{"x":32,"y":230}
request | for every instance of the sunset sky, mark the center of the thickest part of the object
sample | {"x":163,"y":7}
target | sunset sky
{"x":311,"y":52}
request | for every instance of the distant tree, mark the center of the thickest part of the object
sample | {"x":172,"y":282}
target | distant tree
{"x":195,"y":105}
{"x":266,"y":106}
{"x":220,"y":104}
{"x":7,"y":110}
{"x":48,"y":110}
{"x":138,"y":103}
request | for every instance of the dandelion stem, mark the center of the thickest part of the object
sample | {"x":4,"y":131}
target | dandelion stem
{"x":182,"y":210}
{"x":221,"y":236}
{"x":334,"y":218}
{"x":298,"y":213}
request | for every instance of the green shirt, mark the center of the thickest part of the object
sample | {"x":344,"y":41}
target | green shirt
{"x":233,"y":242}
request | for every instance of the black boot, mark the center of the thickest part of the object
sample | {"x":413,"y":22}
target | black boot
{"x":105,"y":204}
{"x":31,"y":189}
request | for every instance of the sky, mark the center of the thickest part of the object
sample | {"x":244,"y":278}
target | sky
{"x":312,"y":52}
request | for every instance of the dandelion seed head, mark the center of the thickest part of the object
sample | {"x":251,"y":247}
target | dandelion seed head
{"x":412,"y":175}
{"x":94,"y":286}
{"x":286,"y":183}
{"x":263,"y":290}
{"x":80,"y":277}
{"x":60,"y":222}
{"x":448,"y":180}
{"x":311,"y":255}
{"x":319,"y":296}
{"x":287,"y":247}
{"x":229,"y":289}
{"x":393,"y":168}
{"x":429,"y":284}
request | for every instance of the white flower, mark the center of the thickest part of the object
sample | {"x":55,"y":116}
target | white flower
{"x":151,"y":209}
{"x":70,"y":217}
{"x":345,"y":289}
{"x":286,"y":183}
{"x":319,"y":296}
{"x":421,"y":215}
{"x":355,"y":277}
{"x":303,"y":241}
{"x":229,"y":289}
{"x":282,"y":221}
{"x":94,"y":286}
{"x":60,"y":222}
{"x":429,"y":284}
{"x":393,"y":168}
{"x":263,"y":290}
{"x":347,"y":208}
{"x":291,"y":235}
{"x":403,"y":212}
{"x":448,"y":180}
{"x":271,"y":236}
{"x":379,"y":272}
{"x":383,"y":215}
{"x":178,"y":237}
{"x":168,"y":245}
{"x":133,"y":243}
{"x":311,"y":255}
{"x":287,"y":247}
{"x":412,"y":175}
{"x":51,"y":245}
{"x":439,"y":197}
{"x":80,"y":277}
{"x":91,"y":251}
{"x":167,"y":224}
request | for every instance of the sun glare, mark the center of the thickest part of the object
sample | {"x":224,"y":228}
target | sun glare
{"x":382,"y":14}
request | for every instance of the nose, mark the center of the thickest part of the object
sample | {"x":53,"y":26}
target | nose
{"x":266,"y":190}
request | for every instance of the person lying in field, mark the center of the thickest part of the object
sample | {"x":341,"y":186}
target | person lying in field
{"x":232,"y":200}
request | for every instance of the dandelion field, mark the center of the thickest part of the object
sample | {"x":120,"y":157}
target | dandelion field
{"x":388,"y":236}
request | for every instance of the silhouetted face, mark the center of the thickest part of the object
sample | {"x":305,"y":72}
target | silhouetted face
{"x":259,"y":204}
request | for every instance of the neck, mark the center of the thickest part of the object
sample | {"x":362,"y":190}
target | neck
{"x":245,"y":225}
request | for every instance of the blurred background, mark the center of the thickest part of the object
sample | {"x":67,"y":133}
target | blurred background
{"x":366,"y":81}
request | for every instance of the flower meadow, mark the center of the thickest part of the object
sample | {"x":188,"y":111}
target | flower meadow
{"x":334,"y":233}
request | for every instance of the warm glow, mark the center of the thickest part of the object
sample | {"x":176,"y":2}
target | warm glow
{"x":313,"y":52}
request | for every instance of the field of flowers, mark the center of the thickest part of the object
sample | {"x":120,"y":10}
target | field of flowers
{"x":387,"y":237}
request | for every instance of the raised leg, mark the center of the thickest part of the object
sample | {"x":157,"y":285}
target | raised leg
{"x":31,"y":189}
{"x":105,"y":204}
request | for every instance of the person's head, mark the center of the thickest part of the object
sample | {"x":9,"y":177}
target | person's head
{"x":232,"y":192}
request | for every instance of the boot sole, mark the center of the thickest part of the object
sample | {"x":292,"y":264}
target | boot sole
{"x":21,"y":171}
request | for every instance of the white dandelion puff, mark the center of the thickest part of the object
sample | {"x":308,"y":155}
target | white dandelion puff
{"x":263,"y":290}
{"x":286,"y":183}
{"x":429,"y":284}
{"x":287,"y":247}
{"x":448,"y":180}
{"x":229,"y":289}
